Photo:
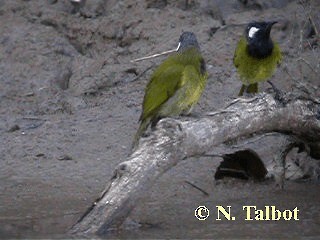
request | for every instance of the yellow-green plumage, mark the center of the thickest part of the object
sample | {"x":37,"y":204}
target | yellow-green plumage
{"x":174,"y":88}
{"x":256,"y":56}
{"x":253,"y":70}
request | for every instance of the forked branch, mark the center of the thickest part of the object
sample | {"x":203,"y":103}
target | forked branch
{"x":175,"y":140}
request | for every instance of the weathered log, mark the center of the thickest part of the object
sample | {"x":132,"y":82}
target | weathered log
{"x":174,"y":140}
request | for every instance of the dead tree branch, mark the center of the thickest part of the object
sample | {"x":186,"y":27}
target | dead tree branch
{"x":175,"y":140}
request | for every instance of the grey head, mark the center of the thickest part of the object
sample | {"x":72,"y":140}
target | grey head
{"x":187,"y":40}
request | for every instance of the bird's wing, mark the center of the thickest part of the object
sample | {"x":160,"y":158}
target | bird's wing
{"x":193,"y":83}
{"x":163,"y":84}
{"x":277,"y":53}
{"x":241,"y":46}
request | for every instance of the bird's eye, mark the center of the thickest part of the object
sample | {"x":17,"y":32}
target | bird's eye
{"x":252,"y":32}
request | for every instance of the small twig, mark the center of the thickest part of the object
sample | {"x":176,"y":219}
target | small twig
{"x":310,"y":18}
{"x":301,"y":30}
{"x":34,"y":118}
{"x":289,"y":74}
{"x":308,"y":64}
{"x":198,"y":188}
{"x":273,"y":86}
{"x":141,"y":74}
{"x":219,"y":112}
{"x":211,"y":155}
{"x":242,"y":100}
{"x":290,"y":36}
{"x":302,"y":86}
{"x":300,"y":40}
{"x":314,"y":25}
{"x":254,"y":140}
{"x":156,"y":55}
{"x":314,"y":55}
{"x":231,"y":25}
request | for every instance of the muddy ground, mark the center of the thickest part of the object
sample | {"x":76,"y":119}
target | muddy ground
{"x":71,"y":99}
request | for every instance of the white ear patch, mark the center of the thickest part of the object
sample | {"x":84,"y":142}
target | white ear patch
{"x":252,"y":32}
{"x":179,"y":44}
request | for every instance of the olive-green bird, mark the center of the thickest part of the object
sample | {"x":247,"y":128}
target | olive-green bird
{"x":175,"y":86}
{"x":256,"y":56}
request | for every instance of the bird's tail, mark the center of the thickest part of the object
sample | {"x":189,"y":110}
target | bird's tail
{"x":251,"y":88}
{"x":142,"y":128}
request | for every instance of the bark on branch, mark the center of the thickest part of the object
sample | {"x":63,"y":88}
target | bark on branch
{"x":175,"y":140}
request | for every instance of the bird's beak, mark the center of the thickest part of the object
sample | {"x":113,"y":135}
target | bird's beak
{"x":273,"y":22}
{"x":270,"y":24}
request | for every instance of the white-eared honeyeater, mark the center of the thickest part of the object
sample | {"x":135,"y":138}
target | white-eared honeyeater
{"x":256,"y":56}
